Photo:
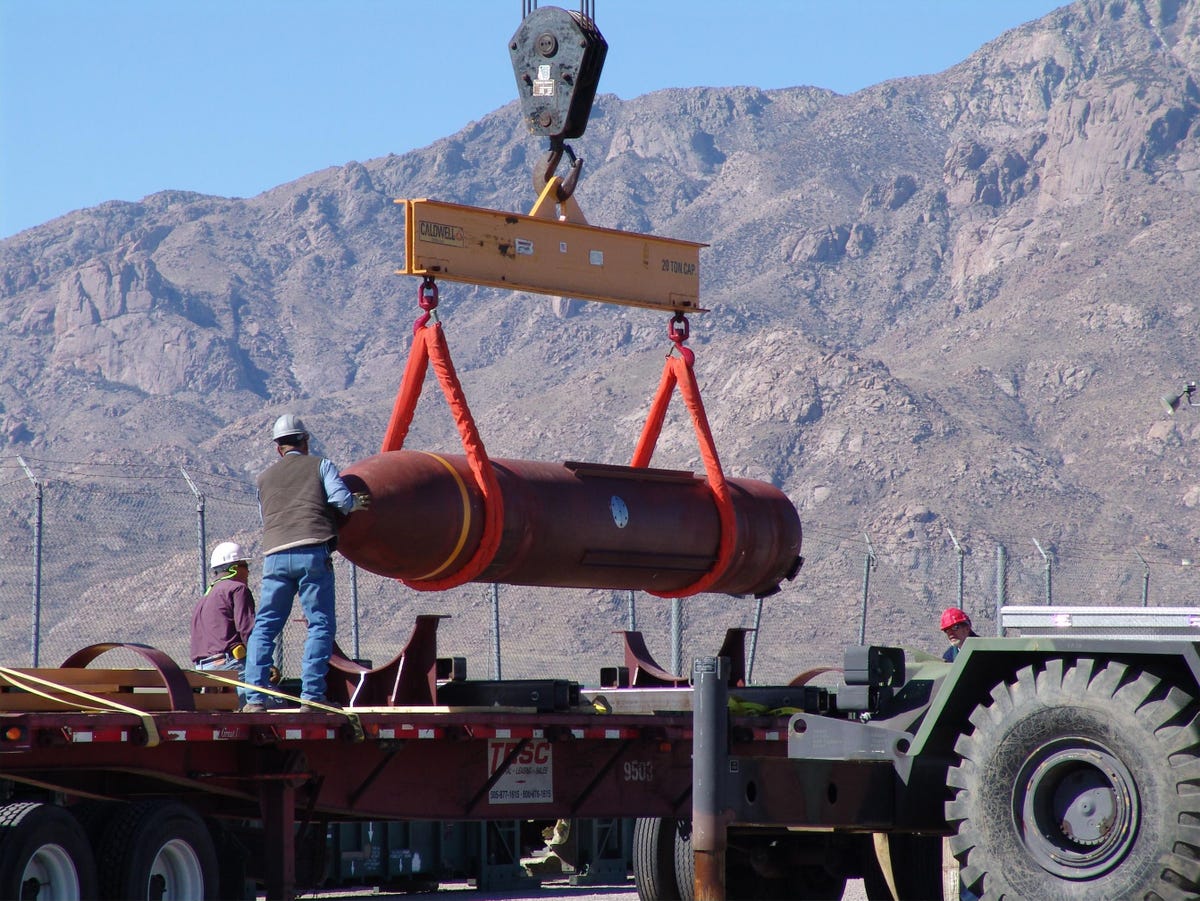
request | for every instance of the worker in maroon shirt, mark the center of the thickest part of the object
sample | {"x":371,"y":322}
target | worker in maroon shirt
{"x":223,"y":618}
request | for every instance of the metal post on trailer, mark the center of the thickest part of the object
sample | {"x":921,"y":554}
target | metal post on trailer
{"x":710,"y":756}
{"x":278,"y":802}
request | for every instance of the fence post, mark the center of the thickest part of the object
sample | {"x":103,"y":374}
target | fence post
{"x":496,"y":629}
{"x":36,"y":628}
{"x":354,"y":610}
{"x":961,"y":553}
{"x":868,"y":563}
{"x":1145,"y":580}
{"x":1046,"y":557}
{"x":200,"y":536}
{"x":676,"y":636}
{"x":1001,"y":585}
{"x":754,"y":641}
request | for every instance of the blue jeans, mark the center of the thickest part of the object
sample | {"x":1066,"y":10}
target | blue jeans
{"x":228,"y":663}
{"x":307,"y":571}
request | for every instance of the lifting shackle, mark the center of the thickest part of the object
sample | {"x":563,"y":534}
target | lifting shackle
{"x":427,"y":300}
{"x":678,"y":330}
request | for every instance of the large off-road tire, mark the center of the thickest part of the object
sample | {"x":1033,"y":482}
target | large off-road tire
{"x":44,"y":854}
{"x":654,"y":859}
{"x":157,"y":849}
{"x":1076,"y":781}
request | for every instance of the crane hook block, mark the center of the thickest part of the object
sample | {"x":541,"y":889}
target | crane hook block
{"x":557,"y":56}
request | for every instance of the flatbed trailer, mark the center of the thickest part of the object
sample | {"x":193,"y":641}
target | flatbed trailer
{"x":159,"y":751}
{"x":1058,"y":762}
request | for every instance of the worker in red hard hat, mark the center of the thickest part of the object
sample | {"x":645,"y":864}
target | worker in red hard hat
{"x":956,"y":626}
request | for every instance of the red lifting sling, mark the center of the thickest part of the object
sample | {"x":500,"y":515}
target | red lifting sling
{"x":678,"y":371}
{"x":429,"y":343}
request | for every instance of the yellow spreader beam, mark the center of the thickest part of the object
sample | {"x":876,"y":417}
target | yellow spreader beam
{"x":549,"y":256}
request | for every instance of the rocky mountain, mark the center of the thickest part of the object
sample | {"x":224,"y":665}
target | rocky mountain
{"x":942,"y":304}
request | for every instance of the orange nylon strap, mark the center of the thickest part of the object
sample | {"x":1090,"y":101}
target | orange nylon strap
{"x":654,"y":420}
{"x":409,"y":393}
{"x":678,"y":371}
{"x":429,"y":345}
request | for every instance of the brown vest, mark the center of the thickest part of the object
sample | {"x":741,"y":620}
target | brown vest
{"x":295,"y":510}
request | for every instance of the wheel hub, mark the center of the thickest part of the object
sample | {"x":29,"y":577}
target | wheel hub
{"x":50,"y":873}
{"x":1075,"y":808}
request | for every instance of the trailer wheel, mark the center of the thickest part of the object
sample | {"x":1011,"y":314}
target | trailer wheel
{"x":1075,"y":782}
{"x":44,"y":854}
{"x":93,"y":817}
{"x":685,"y":861}
{"x":654,"y":859}
{"x":158,"y":849}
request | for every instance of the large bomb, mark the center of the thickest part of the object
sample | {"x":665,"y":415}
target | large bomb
{"x":571,"y":525}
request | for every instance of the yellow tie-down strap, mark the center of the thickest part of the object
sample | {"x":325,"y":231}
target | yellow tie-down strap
{"x":351,"y":717}
{"x":550,"y":256}
{"x":95,"y":703}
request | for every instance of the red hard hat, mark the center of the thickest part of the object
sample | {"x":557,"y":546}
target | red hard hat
{"x":952,"y":616}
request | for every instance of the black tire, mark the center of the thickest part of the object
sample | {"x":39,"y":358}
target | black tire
{"x":685,"y":861}
{"x":1075,"y":782}
{"x":44,"y":853}
{"x":654,"y":859}
{"x":157,"y":849}
{"x":93,"y":816}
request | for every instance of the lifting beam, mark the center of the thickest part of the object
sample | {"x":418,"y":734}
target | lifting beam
{"x":546,"y":255}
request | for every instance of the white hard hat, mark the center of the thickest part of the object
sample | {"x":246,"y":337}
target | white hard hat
{"x":225,"y":553}
{"x":288,"y":426}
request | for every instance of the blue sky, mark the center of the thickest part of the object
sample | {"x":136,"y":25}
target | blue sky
{"x":118,"y":99}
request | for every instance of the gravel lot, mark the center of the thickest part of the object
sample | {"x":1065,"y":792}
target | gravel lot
{"x":560,"y":890}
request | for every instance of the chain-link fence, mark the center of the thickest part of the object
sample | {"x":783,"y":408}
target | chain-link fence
{"x":118,"y":553}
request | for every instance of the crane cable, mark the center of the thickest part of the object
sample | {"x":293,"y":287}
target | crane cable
{"x":586,"y":8}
